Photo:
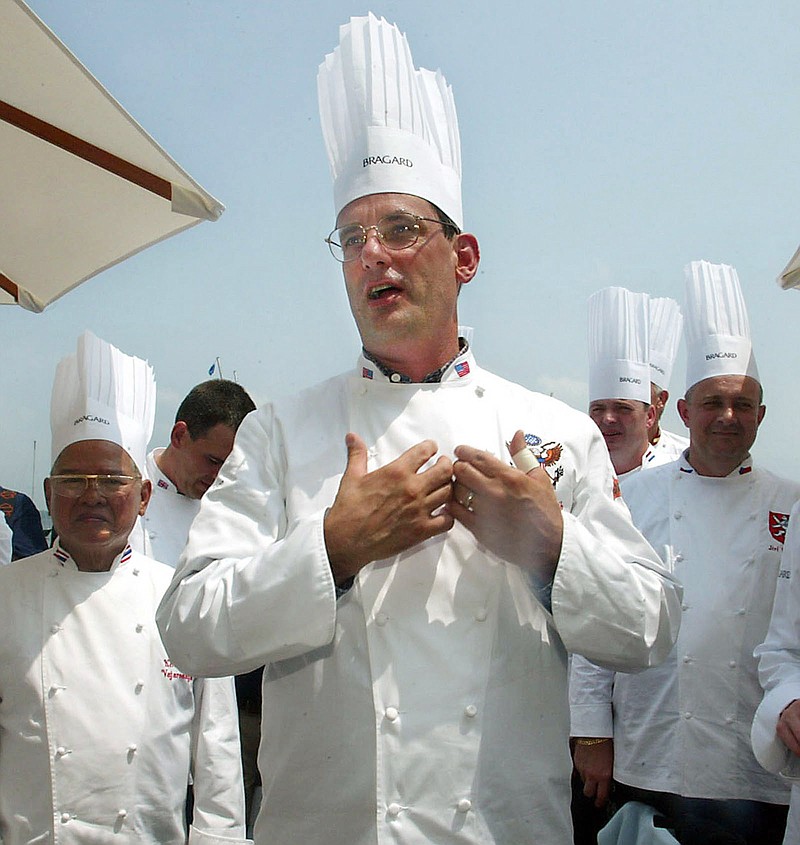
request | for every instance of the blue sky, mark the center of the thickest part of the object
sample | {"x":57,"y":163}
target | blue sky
{"x":602,"y":143}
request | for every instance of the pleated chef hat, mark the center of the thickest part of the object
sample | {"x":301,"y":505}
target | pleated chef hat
{"x":666,"y":324}
{"x":388,"y":127}
{"x":716,"y":323}
{"x":618,"y":345}
{"x":103,"y":394}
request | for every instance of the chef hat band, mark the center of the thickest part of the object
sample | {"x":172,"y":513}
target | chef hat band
{"x":666,"y":324}
{"x":716,"y":324}
{"x":618,"y":345}
{"x":102,"y":394}
{"x":388,"y":127}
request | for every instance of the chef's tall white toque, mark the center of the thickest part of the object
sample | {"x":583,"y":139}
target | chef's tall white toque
{"x":101,"y":393}
{"x":666,"y":325}
{"x":618,"y":345}
{"x":388,"y":127}
{"x":716,"y":324}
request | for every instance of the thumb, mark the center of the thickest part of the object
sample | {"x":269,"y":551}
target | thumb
{"x":521,"y":454}
{"x":356,"y":456}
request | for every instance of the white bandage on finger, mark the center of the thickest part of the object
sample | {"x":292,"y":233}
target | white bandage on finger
{"x":525,"y":460}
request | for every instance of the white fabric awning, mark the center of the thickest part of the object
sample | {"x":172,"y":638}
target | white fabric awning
{"x":790,"y":277}
{"x":83,"y":186}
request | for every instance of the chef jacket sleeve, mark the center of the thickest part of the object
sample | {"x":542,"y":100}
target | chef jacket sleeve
{"x":779,"y":660}
{"x":219,"y":813}
{"x":590,"y":690}
{"x":250,"y":589}
{"x":613,"y":600}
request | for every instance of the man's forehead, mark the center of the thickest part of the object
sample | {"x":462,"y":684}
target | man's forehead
{"x":218,"y":438}
{"x":383,"y":204}
{"x":93,"y":457}
{"x":717,"y":387}
{"x":617,"y":404}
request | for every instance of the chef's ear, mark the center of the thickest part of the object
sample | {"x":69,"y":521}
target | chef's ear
{"x":47,"y":494}
{"x":147,"y":491}
{"x":468,"y":256}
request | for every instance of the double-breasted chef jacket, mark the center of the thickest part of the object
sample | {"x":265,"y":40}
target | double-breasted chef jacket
{"x":97,"y":727}
{"x":684,"y":727}
{"x":779,"y":672}
{"x":428,"y":703}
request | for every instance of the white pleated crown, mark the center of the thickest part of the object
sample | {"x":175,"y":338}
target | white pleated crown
{"x":101,"y":393}
{"x":388,"y":127}
{"x":618,"y":345}
{"x":716,"y":324}
{"x":666,"y":325}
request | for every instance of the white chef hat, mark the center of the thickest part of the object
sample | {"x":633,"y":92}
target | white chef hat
{"x":716,"y":324}
{"x":388,"y":128}
{"x":666,"y":324}
{"x":103,"y":394}
{"x":618,"y":345}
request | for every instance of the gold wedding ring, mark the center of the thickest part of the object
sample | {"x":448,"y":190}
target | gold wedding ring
{"x":468,"y":502}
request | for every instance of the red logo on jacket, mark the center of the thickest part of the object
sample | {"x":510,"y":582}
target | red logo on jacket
{"x":169,"y":671}
{"x":778,"y":523}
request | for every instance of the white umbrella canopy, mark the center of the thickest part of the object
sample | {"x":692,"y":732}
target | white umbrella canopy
{"x":83,"y":186}
{"x":790,"y":276}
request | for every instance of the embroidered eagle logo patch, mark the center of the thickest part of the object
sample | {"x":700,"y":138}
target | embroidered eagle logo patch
{"x":548,"y":455}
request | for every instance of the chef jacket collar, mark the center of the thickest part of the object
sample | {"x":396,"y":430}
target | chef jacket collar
{"x":64,"y":559}
{"x":456,"y":368}
{"x":744,"y":468}
{"x":155,"y":474}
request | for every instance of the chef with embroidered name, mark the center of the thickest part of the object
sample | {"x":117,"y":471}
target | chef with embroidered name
{"x":678,"y":735}
{"x":98,"y":732}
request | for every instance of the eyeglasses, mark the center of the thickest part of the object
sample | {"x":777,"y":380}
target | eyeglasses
{"x":74,"y":486}
{"x":395,"y":231}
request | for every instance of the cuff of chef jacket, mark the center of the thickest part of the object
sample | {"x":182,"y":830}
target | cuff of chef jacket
{"x":202,"y":837}
{"x":591,"y":720}
{"x":768,"y":748}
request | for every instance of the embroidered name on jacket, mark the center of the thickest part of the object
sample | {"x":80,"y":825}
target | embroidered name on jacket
{"x":169,"y":671}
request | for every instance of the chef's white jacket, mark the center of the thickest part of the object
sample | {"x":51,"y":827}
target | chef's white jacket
{"x":779,"y":672}
{"x":97,"y":727}
{"x":168,"y":517}
{"x":684,"y":726}
{"x":428,"y":703}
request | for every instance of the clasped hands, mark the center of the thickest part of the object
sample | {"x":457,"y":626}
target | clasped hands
{"x":380,"y":514}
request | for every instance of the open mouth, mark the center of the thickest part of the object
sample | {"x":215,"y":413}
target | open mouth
{"x":381,"y":291}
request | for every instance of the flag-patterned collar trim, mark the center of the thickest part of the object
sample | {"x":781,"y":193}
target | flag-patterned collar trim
{"x":458,"y":366}
{"x":744,"y":468}
{"x":62,"y":555}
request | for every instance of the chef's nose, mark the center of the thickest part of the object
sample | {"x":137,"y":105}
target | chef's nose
{"x":374,"y":251}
